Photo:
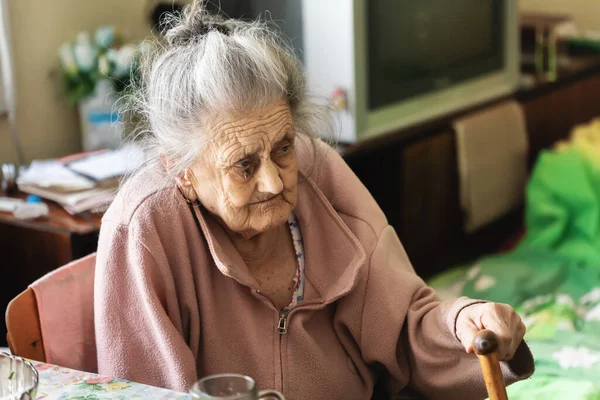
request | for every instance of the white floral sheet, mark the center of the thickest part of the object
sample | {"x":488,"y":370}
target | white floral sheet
{"x":58,"y":383}
{"x":559,"y":301}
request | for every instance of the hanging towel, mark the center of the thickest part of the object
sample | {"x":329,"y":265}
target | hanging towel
{"x":492,"y":163}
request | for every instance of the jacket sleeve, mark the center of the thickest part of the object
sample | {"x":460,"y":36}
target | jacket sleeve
{"x":407,"y":330}
{"x":135,"y":309}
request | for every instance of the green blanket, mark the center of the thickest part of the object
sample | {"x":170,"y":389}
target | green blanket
{"x":553,"y":277}
{"x":563,"y":205}
{"x":559,"y":301}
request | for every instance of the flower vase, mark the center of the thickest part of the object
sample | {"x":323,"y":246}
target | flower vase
{"x":100,"y":126}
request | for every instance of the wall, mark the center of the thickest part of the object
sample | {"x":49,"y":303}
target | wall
{"x":585,"y":12}
{"x":47,"y":126}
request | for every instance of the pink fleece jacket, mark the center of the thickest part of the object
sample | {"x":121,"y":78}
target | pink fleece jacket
{"x":174,"y":301}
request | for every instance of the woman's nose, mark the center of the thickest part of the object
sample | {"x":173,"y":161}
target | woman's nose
{"x":269,"y":180}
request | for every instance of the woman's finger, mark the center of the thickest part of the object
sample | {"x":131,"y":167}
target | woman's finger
{"x":466,"y":333}
{"x":518,"y":338}
{"x":500,"y":318}
{"x":496,"y":323}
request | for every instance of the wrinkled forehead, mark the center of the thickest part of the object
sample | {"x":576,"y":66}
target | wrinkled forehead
{"x":252,"y":131}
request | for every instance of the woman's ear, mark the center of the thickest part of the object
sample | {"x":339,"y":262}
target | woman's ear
{"x":185,"y":181}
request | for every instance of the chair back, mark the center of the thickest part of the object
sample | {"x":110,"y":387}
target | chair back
{"x":24,"y":335}
{"x":53,"y":320}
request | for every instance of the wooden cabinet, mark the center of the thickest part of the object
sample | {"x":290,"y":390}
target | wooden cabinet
{"x":430,"y":210}
{"x":413,"y":173}
{"x":552,"y":114}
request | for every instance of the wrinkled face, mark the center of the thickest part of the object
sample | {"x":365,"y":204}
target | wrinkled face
{"x":247,"y":175}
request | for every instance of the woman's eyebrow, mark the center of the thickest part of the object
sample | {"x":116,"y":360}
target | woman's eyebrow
{"x":251,"y":150}
{"x":285,"y":133}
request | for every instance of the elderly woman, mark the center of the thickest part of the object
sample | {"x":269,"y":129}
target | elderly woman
{"x":246,"y":245}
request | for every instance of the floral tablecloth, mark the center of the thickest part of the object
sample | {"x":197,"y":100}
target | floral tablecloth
{"x":58,"y":383}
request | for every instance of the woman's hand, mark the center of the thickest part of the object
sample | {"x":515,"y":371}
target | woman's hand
{"x":502,"y":319}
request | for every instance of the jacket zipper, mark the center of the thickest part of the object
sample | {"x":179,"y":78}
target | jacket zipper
{"x":282,"y":325}
{"x":282,"y":330}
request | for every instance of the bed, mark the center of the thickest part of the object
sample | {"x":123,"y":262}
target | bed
{"x":551,"y":274}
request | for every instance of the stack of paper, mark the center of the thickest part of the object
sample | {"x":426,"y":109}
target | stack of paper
{"x":110,"y":164}
{"x":87,"y":183}
{"x":54,"y":175}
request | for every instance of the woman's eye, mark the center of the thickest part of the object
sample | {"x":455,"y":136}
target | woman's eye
{"x":243,"y":164}
{"x":245,"y":168}
{"x":284,"y":148}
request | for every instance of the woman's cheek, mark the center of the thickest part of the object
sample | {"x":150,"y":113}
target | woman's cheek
{"x":239,"y":193}
{"x":288,"y":165}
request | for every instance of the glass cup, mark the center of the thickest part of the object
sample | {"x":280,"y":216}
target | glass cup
{"x":230,"y":387}
{"x":18,"y":378}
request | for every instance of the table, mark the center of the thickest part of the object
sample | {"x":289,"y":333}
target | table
{"x":30,"y":249}
{"x":65,"y":384}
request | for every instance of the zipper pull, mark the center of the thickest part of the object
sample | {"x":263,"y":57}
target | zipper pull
{"x":282,"y":325}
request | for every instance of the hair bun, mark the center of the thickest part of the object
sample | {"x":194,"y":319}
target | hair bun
{"x":219,"y":27}
{"x":192,"y":24}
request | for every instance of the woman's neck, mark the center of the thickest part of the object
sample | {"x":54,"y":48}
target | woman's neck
{"x":258,"y":248}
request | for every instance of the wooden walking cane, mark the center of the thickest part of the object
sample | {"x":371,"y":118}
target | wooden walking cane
{"x":485,"y":346}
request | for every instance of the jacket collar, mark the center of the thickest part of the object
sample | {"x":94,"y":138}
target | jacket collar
{"x":333,"y":254}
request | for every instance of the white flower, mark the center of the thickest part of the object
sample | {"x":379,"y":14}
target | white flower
{"x":576,"y":357}
{"x":484,"y":282}
{"x":593,"y":314}
{"x":536,"y":301}
{"x":85,"y":56}
{"x":564,"y":299}
{"x":104,"y":65}
{"x":473,"y":272}
{"x":124,"y":58}
{"x":591,"y":297}
{"x":105,"y":36}
{"x":67,"y":60}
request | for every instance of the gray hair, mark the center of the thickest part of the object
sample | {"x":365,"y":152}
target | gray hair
{"x":208,"y":65}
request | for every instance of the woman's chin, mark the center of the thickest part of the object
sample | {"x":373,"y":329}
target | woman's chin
{"x":270,"y":217}
{"x":261,"y":217}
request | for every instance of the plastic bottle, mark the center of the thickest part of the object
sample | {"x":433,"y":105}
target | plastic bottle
{"x":100,"y":126}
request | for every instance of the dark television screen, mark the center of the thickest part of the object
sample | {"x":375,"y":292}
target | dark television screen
{"x":286,"y":14}
{"x":418,"y":46}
